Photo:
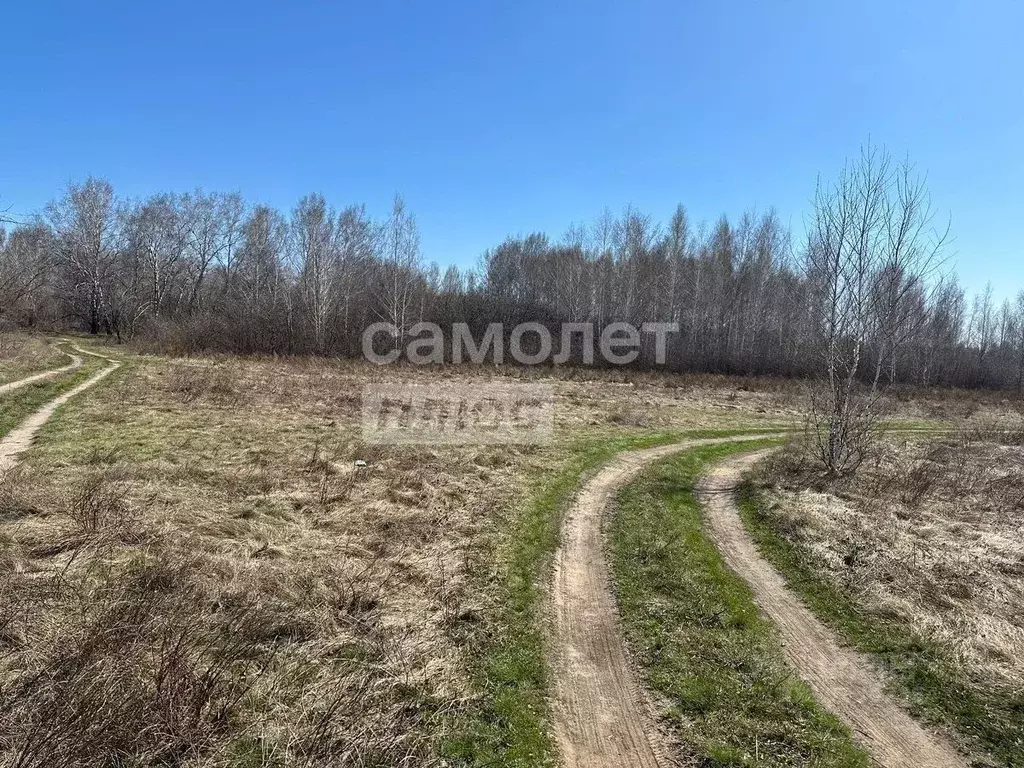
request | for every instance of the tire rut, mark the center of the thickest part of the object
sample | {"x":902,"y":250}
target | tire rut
{"x":76,"y":362}
{"x":844,"y":681}
{"x":601,"y":718}
{"x":19,"y":439}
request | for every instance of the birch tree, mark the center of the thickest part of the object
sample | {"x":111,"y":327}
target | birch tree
{"x":399,"y":268}
{"x":873,"y":227}
{"x":84,"y":221}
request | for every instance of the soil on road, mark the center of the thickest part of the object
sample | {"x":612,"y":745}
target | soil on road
{"x":601,"y":717}
{"x":843,"y":681}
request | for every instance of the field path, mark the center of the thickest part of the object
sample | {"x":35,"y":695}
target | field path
{"x":843,"y":681}
{"x":19,"y":439}
{"x":601,"y":718}
{"x":76,"y":362}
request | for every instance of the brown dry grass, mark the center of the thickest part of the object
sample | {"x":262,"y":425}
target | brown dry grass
{"x":22,"y":355}
{"x":929,"y":533}
{"x":194,"y":571}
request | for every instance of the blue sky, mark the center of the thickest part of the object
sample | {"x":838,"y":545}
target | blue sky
{"x":498,"y":118}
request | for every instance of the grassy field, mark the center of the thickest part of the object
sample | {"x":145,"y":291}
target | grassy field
{"x":17,"y":405}
{"x":508,"y":725}
{"x":210,"y":516}
{"x":203,"y":563}
{"x":23,"y":355}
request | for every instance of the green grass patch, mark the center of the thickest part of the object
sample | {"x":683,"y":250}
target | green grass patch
{"x":16,"y":406}
{"x":937,"y":688}
{"x":699,"y":639}
{"x":507,"y":724}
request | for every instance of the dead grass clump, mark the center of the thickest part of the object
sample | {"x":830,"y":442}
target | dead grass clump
{"x":630,"y":417}
{"x":217,"y":382}
{"x":174,"y":658}
{"x":16,"y":495}
{"x":794,"y":466}
{"x":138,"y":674}
{"x":100,"y":505}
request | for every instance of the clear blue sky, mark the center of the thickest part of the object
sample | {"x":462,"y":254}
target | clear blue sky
{"x":496,"y":118}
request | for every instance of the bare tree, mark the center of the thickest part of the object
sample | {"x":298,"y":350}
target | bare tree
{"x":400,"y":266}
{"x":315,"y":259}
{"x":202,"y":271}
{"x":87,"y":239}
{"x":1019,"y":342}
{"x":356,"y":244}
{"x":25,"y":266}
{"x":982,"y":329}
{"x":872,"y":244}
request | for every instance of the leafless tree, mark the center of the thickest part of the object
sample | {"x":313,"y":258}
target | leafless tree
{"x":24,"y":268}
{"x":87,"y":239}
{"x":315,"y":259}
{"x":872,"y":245}
{"x":204,"y":271}
{"x":399,"y":268}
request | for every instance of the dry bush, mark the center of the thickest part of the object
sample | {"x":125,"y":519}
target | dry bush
{"x":100,"y":505}
{"x":794,"y":464}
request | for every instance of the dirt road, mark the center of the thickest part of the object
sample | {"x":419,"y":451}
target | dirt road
{"x":76,"y":362}
{"x":601,"y":719}
{"x":843,"y":681}
{"x":19,"y":439}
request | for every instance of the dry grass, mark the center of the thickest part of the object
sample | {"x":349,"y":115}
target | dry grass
{"x":22,"y":355}
{"x":208,"y":556}
{"x":929,"y":532}
{"x":194,"y":570}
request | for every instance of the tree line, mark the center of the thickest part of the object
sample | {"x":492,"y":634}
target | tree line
{"x":205,"y":271}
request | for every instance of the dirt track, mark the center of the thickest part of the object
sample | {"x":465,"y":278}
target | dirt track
{"x":601,"y":719}
{"x":19,"y":439}
{"x":842,"y":680}
{"x":76,"y":362}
